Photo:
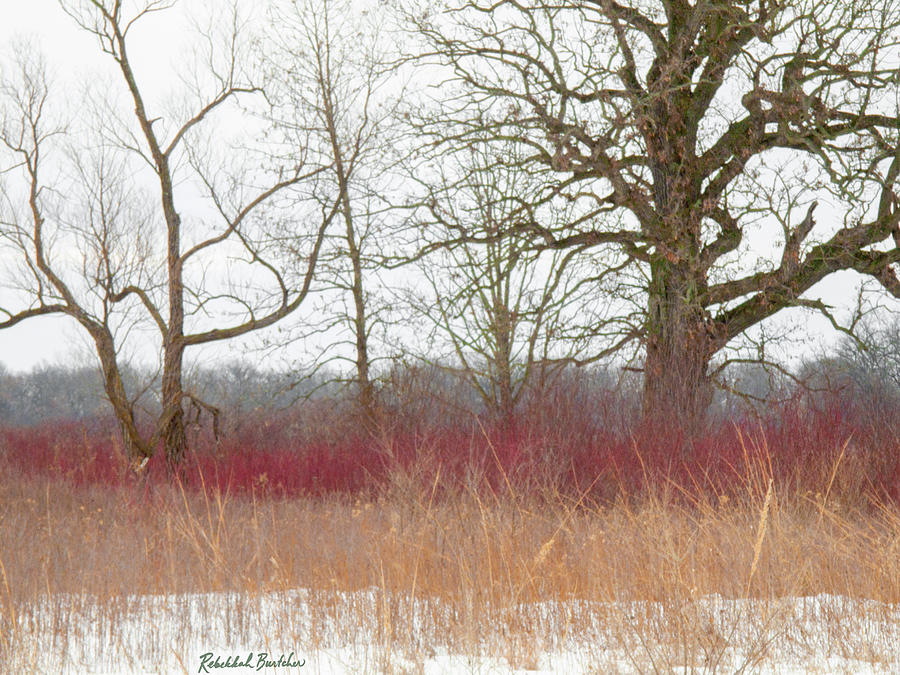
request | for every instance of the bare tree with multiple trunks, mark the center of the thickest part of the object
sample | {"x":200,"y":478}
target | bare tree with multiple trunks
{"x":147,"y":217}
{"x":695,"y":132}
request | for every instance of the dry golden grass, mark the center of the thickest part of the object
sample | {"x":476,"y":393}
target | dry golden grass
{"x":501,"y":575}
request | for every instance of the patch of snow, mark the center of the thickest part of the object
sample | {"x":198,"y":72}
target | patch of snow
{"x":371,"y":632}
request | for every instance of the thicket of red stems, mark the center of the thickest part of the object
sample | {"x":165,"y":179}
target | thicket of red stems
{"x":832,"y":447}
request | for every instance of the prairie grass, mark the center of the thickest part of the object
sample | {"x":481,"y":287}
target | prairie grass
{"x":625,"y":567}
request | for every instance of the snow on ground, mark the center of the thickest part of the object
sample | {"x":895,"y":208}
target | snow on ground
{"x":372,"y":632}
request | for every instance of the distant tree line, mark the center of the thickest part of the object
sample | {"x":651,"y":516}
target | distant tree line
{"x":863,"y":376}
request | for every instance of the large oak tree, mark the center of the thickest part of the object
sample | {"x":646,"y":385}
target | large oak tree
{"x":687,"y":128}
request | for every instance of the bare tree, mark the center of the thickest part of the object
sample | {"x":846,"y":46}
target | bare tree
{"x":672,"y":115}
{"x":328,"y":61}
{"x":512,"y":314}
{"x":155,"y":257}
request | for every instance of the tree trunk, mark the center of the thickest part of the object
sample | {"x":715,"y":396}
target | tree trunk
{"x":134,"y":447}
{"x":172,"y":429}
{"x":502,"y":367}
{"x":677,"y":387}
{"x":504,"y":402}
{"x":365,"y":388}
{"x":173,"y":432}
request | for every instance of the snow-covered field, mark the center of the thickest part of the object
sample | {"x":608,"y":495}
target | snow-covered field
{"x":374,"y":632}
